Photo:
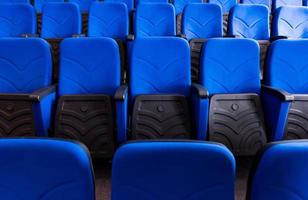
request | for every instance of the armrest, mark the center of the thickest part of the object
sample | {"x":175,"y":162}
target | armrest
{"x":130,"y":37}
{"x":278,"y":37}
{"x":182,"y":36}
{"x":78,"y":35}
{"x":200,"y":91}
{"x":282,"y":95}
{"x":28,"y":35}
{"x":231,"y":36}
{"x":38,"y":95}
{"x":300,"y":97}
{"x":121,"y":93}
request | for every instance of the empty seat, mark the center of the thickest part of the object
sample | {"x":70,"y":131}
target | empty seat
{"x":89,"y":79}
{"x":179,"y":7}
{"x":230,"y":72}
{"x":290,"y":22}
{"x":16,"y":20}
{"x":45,"y":168}
{"x":129,"y":3}
{"x":278,"y":3}
{"x":84,"y":5}
{"x":137,"y":2}
{"x":249,"y":21}
{"x":154,"y":19}
{"x":226,"y":6}
{"x":258,"y":2}
{"x":200,"y":22}
{"x":39,"y":4}
{"x":14,"y":1}
{"x":163,"y":102}
{"x":60,"y":20}
{"x":281,"y":172}
{"x":305,"y":2}
{"x":25,"y":93}
{"x":108,"y":20}
{"x":172,"y":171}
{"x":287,"y":75}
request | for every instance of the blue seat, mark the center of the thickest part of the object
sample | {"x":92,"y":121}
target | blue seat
{"x":200,"y":21}
{"x":45,"y":168}
{"x":225,"y":5}
{"x":281,"y":172}
{"x":15,"y":1}
{"x":278,"y":3}
{"x":60,"y":20}
{"x":290,"y":21}
{"x":160,"y":87}
{"x":180,"y":5}
{"x":39,"y":4}
{"x":26,"y":93}
{"x":173,"y":171}
{"x":89,"y":87}
{"x":137,"y":2}
{"x":258,"y":2}
{"x":84,"y":5}
{"x":249,"y":21}
{"x":16,"y":20}
{"x":305,"y":2}
{"x":154,"y":19}
{"x":286,"y":74}
{"x":108,"y":20}
{"x":129,"y":3}
{"x":230,"y":71}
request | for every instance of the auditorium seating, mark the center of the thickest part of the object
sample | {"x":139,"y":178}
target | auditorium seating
{"x":129,"y":3}
{"x":26,"y":93}
{"x":172,"y":171}
{"x":154,"y":19}
{"x":108,"y":19}
{"x":137,"y":2}
{"x":45,"y":169}
{"x":278,"y":3}
{"x":230,"y":71}
{"x":84,"y":5}
{"x":163,"y":102}
{"x":39,"y":4}
{"x":89,"y":87}
{"x":17,"y":20}
{"x":200,"y":22}
{"x":14,"y":1}
{"x":257,"y":2}
{"x":281,"y":172}
{"x":305,"y":2}
{"x":290,"y":22}
{"x":287,"y":75}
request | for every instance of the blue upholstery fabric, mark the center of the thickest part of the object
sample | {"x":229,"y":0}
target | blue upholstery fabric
{"x":14,"y":1}
{"x":48,"y":169}
{"x":249,"y":21}
{"x":291,"y":22}
{"x":25,"y":65}
{"x":262,"y":2}
{"x":84,"y":5}
{"x":160,"y":66}
{"x":154,"y":19}
{"x":230,"y":66}
{"x":305,"y":2}
{"x":202,"y":21}
{"x":278,"y":3}
{"x":282,"y":172}
{"x":39,"y":4}
{"x":60,"y":20}
{"x":225,"y":5}
{"x":173,"y":171}
{"x":129,"y":3}
{"x":108,"y":19}
{"x":89,"y":66}
{"x":180,"y":5}
{"x":287,"y":66}
{"x":137,"y":2}
{"x":17,"y":19}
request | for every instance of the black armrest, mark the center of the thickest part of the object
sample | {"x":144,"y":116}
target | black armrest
{"x":201,"y":91}
{"x":181,"y":36}
{"x":28,"y":35}
{"x":278,"y":37}
{"x":41,"y":93}
{"x":130,"y":37}
{"x":278,"y":93}
{"x":121,"y":93}
{"x":78,"y":35}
